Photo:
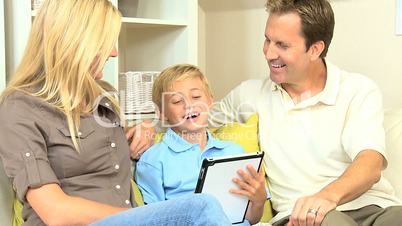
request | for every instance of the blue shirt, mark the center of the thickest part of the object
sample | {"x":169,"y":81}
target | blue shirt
{"x":170,"y":169}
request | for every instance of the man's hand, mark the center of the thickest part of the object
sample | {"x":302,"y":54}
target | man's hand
{"x":142,"y":137}
{"x":359,"y":177}
{"x":311,"y":210}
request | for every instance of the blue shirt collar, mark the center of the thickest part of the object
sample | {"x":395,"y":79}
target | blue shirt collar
{"x":177,"y":144}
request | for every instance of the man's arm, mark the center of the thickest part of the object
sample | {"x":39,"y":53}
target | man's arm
{"x":55,"y":207}
{"x":237,"y":106}
{"x":363,"y":128}
{"x":359,"y":177}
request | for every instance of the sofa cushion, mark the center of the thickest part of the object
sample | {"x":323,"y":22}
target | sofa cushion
{"x":17,"y":209}
{"x":245,"y":135}
{"x":393,"y":135}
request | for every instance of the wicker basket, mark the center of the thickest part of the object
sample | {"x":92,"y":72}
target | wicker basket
{"x":36,"y":4}
{"x":135,"y":89}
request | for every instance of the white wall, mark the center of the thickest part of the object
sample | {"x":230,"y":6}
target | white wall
{"x":2,"y":49}
{"x":17,"y":28}
{"x":231,"y":35}
{"x":364,"y":42}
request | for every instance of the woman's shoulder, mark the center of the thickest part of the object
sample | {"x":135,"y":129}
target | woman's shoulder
{"x":22,"y":104}
{"x":19,"y":100}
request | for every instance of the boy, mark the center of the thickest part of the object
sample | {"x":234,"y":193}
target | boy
{"x":170,"y":169}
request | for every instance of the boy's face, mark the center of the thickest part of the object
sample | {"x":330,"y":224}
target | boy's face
{"x":186,"y":106}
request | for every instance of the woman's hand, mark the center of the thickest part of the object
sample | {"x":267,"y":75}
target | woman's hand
{"x":141,"y":137}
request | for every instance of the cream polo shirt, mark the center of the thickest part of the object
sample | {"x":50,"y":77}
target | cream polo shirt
{"x":310,"y":144}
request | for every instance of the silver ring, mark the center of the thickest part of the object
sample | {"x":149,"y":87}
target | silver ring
{"x":312,"y":211}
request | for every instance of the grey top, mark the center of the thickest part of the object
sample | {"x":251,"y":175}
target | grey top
{"x":36,"y":149}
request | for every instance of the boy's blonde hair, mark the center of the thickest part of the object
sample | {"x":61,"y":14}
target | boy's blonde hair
{"x":180,"y":72}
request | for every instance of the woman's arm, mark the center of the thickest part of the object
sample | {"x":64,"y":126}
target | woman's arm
{"x":55,"y":207}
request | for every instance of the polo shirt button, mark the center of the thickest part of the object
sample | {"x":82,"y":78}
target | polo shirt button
{"x":116,"y":166}
{"x":27,"y":154}
{"x":79,"y":134}
{"x":107,"y":104}
{"x":127,"y":202}
{"x":117,"y":186}
{"x":112,"y":145}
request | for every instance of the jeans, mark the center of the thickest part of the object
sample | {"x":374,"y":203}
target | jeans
{"x":192,"y":210}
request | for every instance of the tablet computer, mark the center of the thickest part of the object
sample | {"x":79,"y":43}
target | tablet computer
{"x":216,"y":176}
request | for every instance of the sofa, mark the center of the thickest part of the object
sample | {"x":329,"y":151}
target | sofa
{"x":393,"y":130}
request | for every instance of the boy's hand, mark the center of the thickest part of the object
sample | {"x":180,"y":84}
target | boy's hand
{"x":252,"y":185}
{"x":142,"y":138}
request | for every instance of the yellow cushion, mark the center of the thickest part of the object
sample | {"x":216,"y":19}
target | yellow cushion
{"x":17,"y":217}
{"x":137,"y":194}
{"x":246,"y":135}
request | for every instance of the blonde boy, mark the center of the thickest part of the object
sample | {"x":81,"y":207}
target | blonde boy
{"x":170,"y":169}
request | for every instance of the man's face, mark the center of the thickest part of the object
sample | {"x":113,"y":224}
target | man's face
{"x":285,"y":49}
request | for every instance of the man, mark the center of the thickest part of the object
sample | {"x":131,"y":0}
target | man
{"x":320,"y":127}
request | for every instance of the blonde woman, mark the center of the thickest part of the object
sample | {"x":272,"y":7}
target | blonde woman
{"x":60,"y":140}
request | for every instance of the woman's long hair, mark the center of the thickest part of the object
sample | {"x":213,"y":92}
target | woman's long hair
{"x":69,"y":44}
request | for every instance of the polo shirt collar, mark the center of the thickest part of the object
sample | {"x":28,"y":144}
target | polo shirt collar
{"x":331,"y":89}
{"x":177,"y":144}
{"x":328,"y":94}
{"x":275,"y":87}
{"x":215,"y":143}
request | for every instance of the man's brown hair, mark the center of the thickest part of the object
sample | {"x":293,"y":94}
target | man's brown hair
{"x":317,"y":19}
